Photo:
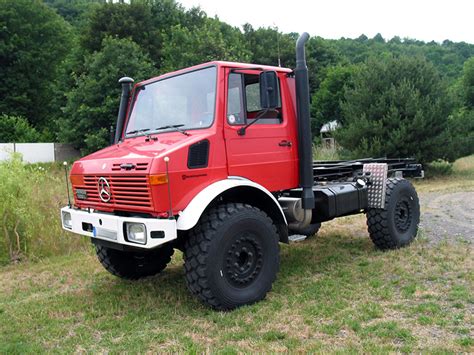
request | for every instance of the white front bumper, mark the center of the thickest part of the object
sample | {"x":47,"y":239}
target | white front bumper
{"x":110,"y":227}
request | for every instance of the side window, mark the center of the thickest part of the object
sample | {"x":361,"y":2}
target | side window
{"x":252,"y":92}
{"x":243,"y":102}
{"x":252,"y":103}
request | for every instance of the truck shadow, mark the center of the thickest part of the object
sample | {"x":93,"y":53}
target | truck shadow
{"x":301,"y":264}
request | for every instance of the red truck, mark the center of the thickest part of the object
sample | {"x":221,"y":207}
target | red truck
{"x":216,"y":160}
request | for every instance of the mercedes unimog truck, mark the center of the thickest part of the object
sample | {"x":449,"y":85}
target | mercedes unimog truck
{"x":216,"y":160}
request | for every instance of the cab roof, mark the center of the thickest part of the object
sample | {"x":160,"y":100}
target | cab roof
{"x":233,"y":65}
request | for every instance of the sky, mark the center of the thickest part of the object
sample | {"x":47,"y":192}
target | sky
{"x":417,"y":19}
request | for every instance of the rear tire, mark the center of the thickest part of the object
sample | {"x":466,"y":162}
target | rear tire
{"x":396,"y":225}
{"x":133,"y":265}
{"x":231,"y":257}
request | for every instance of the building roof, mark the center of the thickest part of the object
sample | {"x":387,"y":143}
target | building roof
{"x":330,"y":126}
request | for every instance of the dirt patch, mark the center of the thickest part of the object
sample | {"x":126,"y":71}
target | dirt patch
{"x":447,"y":216}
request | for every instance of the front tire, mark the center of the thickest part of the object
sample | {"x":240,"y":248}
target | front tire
{"x":232,"y":256}
{"x":133,"y":265}
{"x":396,"y":225}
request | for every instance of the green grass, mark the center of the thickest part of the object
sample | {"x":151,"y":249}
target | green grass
{"x":334,"y":293}
{"x":461,"y":178}
{"x":321,"y":153}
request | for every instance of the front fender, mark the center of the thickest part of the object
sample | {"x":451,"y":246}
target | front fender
{"x":189,"y":217}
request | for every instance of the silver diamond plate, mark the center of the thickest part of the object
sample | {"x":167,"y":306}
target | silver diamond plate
{"x":376,"y":191}
{"x":296,"y":238}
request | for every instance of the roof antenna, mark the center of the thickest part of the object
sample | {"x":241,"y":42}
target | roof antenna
{"x":278,"y":43}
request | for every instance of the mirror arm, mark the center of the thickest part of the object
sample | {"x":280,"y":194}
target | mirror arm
{"x":241,"y":131}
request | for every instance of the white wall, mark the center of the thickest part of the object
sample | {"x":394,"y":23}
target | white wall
{"x":5,"y":150}
{"x":31,"y":152}
{"x":36,"y":152}
{"x":40,"y":152}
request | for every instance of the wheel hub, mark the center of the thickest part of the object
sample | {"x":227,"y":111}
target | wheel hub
{"x":243,"y":260}
{"x":403,"y":215}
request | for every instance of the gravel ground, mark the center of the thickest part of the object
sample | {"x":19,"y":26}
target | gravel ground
{"x":447,"y":216}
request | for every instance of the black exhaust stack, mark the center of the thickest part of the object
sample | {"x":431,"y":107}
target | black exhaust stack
{"x":126,"y":88}
{"x":304,"y":126}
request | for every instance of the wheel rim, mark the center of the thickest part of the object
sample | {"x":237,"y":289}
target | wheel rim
{"x":403,"y":213}
{"x":244,"y":260}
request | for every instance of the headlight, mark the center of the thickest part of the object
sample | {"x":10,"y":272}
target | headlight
{"x":67,"y":221}
{"x":136,"y":232}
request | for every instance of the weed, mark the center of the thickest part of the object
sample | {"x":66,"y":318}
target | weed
{"x":29,"y":211}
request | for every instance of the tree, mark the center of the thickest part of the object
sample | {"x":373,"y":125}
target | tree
{"x":320,"y":54}
{"x":93,"y":102}
{"x":378,"y":38}
{"x":397,"y":106}
{"x":326,"y":101}
{"x":122,"y":20}
{"x":15,"y":129}
{"x":395,"y":40}
{"x":468,"y":83}
{"x":34,"y":40}
{"x":185,"y":47}
{"x":461,"y":131}
{"x":73,"y":11}
{"x":167,"y":13}
{"x":461,"y":122}
{"x":268,"y":46}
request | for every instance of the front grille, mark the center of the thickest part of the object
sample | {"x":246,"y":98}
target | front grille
{"x":128,"y":192}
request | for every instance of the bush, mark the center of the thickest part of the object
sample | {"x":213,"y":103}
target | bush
{"x":29,"y":212}
{"x":438,"y":168}
{"x":16,"y":129}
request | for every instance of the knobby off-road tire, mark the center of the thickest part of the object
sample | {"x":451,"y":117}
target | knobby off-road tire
{"x":396,"y":225}
{"x":308,"y":231}
{"x":133,"y":265}
{"x":231,"y":257}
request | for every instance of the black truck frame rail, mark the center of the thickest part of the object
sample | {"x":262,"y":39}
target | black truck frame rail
{"x":333,"y":170}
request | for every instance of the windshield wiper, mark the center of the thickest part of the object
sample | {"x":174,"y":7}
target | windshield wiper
{"x":176,"y":128}
{"x":138,"y":131}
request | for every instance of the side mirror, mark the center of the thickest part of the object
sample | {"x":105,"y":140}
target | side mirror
{"x":268,"y":90}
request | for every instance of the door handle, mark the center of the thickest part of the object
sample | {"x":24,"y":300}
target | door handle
{"x":285,"y":143}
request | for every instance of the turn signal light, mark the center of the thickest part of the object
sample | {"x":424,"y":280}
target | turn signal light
{"x":77,"y":179}
{"x":158,"y":179}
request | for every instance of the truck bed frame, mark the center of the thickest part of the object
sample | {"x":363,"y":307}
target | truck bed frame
{"x":339,"y":170}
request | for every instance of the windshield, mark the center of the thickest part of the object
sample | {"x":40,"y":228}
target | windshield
{"x":186,"y":101}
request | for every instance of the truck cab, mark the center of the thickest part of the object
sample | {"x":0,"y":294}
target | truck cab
{"x":193,"y":117}
{"x":216,"y":160}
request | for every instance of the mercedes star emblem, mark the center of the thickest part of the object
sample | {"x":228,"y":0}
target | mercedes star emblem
{"x":104,"y":189}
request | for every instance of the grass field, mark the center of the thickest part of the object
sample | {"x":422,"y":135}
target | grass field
{"x":334,"y":292}
{"x":461,"y":179}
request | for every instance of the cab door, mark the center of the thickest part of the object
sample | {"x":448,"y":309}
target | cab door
{"x":267,"y":152}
